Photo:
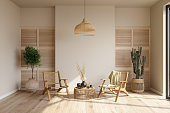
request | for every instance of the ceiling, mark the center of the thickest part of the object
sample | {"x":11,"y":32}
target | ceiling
{"x":117,"y":3}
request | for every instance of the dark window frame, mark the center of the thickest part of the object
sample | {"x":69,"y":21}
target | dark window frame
{"x":167,"y":51}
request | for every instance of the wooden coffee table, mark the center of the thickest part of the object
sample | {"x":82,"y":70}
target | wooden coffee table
{"x":84,"y":93}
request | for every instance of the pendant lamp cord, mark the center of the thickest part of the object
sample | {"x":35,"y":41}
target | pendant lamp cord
{"x":84,"y":9}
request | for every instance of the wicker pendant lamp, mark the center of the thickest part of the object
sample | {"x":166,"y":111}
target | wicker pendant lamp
{"x":85,"y":28}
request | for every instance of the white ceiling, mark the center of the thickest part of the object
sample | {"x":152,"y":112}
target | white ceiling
{"x":117,"y":3}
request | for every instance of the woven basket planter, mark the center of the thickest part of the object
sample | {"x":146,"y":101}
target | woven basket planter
{"x":137,"y":85}
{"x":84,"y":93}
{"x":32,"y":85}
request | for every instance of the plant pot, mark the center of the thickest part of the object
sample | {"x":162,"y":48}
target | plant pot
{"x":137,"y":85}
{"x":78,"y":85}
{"x":32,"y":85}
{"x":83,"y":84}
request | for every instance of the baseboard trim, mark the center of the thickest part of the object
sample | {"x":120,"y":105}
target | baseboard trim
{"x":156,"y":91}
{"x":7,"y":94}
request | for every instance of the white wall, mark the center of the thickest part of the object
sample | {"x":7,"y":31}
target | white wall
{"x":130,"y":17}
{"x":37,"y":17}
{"x":9,"y":47}
{"x":96,"y":53}
{"x":157,"y":33}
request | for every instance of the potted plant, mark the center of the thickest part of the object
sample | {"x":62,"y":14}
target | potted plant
{"x":32,"y":59}
{"x":138,"y":61}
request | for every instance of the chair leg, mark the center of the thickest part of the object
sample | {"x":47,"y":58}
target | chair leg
{"x":101,"y":88}
{"x":49,"y":96}
{"x":59,"y":89}
{"x":126,"y":92}
{"x":118,"y":93}
{"x":66,"y":87}
{"x":67,"y":92}
{"x":99,"y":92}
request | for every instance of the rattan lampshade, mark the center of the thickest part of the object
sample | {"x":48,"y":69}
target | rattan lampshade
{"x":85,"y":29}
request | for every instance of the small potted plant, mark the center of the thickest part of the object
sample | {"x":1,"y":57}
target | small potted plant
{"x":32,"y":59}
{"x":138,"y":61}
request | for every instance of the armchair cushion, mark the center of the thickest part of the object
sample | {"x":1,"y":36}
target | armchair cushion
{"x":110,"y":86}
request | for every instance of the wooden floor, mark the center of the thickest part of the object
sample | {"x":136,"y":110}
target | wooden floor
{"x":23,"y":102}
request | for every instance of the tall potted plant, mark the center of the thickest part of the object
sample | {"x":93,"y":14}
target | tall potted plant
{"x":138,"y":62}
{"x":32,"y":59}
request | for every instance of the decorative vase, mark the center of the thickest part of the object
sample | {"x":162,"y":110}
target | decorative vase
{"x":32,"y":85}
{"x":83,"y":84}
{"x":91,"y":86}
{"x":137,"y":85}
{"x":79,"y":85}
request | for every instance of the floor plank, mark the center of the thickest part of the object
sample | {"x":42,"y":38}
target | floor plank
{"x":24,"y":102}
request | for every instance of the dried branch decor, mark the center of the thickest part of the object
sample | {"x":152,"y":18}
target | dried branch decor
{"x":81,"y":72}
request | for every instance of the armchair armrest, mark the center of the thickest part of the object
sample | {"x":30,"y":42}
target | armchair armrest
{"x":45,"y":80}
{"x":102,"y":79}
{"x":65,"y":82}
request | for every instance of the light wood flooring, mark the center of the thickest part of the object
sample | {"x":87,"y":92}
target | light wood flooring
{"x":23,"y":102}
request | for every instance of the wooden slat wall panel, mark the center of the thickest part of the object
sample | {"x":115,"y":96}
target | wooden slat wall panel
{"x":123,"y":58}
{"x":127,"y":38}
{"x":44,"y":40}
{"x":47,"y":52}
{"x":141,"y":37}
{"x":146,"y":79}
{"x":28,"y":37}
{"x":123,"y":32}
{"x":123,"y":41}
{"x":47,"y":58}
{"x":123,"y":73}
{"x":47,"y":37}
{"x":123,"y":38}
{"x":22,"y":59}
{"x":146,"y":53}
